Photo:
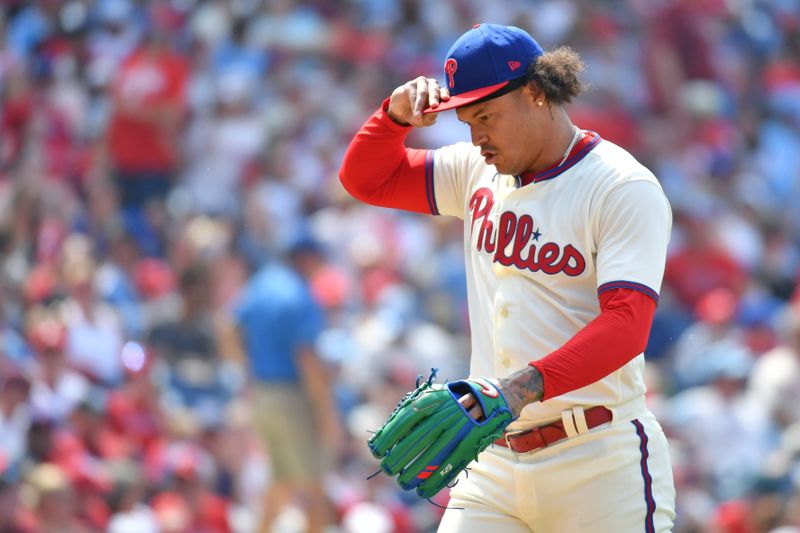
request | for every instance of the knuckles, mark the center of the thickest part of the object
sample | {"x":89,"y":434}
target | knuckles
{"x":416,"y":94}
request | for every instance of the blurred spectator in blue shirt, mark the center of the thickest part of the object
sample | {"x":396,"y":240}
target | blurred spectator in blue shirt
{"x":294,"y":413}
{"x":278,"y":317}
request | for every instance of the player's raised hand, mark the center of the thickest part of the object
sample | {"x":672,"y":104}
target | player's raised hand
{"x":410,"y":99}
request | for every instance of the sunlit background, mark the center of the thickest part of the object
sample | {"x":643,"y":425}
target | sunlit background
{"x":155,"y":154}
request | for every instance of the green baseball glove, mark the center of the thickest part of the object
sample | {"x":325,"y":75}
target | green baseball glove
{"x":430,"y":438}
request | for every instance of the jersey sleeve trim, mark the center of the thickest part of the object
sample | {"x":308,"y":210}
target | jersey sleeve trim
{"x":429,"y":185}
{"x":632,"y":285}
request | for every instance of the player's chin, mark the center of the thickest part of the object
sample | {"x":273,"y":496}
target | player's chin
{"x":502,"y":165}
{"x":503,"y":168}
{"x":495,"y":162}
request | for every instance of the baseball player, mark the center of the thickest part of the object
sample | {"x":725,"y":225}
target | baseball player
{"x":565,"y":238}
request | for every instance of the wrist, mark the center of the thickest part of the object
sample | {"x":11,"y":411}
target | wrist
{"x":387,"y":109}
{"x":523,"y":387}
{"x":396,"y":120}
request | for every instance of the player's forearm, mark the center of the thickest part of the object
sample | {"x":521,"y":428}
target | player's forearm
{"x":603,"y":346}
{"x":379,"y":170}
{"x":521,"y":388}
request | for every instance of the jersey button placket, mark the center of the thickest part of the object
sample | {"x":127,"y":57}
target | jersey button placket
{"x":504,"y":325}
{"x":505,"y":331}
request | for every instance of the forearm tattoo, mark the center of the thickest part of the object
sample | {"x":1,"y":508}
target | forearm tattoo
{"x":521,"y":388}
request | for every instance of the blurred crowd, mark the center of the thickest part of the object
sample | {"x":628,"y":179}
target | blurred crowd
{"x":154,"y":155}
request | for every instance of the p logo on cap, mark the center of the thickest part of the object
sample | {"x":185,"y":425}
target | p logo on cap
{"x":450,"y":67}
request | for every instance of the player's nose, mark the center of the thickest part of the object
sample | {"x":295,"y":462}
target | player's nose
{"x":479,"y":137}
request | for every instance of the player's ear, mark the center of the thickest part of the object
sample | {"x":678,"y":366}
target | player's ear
{"x":533,"y":94}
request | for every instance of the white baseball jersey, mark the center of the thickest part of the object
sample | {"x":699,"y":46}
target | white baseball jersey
{"x":537,"y":256}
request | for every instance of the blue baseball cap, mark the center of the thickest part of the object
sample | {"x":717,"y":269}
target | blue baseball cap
{"x":485,"y":60}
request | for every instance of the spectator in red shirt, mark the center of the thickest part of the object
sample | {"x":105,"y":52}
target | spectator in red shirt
{"x":701,"y":265}
{"x":16,"y":103}
{"x":149,"y":98}
{"x":189,"y":500}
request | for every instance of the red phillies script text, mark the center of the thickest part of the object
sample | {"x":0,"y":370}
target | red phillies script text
{"x":512,"y":244}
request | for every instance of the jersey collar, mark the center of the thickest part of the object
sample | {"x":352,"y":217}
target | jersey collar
{"x":585,"y":144}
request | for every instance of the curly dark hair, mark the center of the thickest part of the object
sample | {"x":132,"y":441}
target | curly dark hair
{"x":556,"y":74}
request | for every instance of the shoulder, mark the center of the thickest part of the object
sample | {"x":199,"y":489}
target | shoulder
{"x":272,"y":292}
{"x":461,"y":165}
{"x":462,"y":152}
{"x":615,"y":182}
{"x":278,"y":278}
{"x":612,"y":165}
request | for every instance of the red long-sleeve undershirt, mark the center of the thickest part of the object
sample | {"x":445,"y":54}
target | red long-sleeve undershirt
{"x":379,"y":170}
{"x":615,"y":336}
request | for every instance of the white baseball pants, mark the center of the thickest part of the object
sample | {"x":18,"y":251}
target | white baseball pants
{"x":612,"y":479}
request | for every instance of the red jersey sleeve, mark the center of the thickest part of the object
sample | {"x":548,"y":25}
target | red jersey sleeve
{"x":617,"y":335}
{"x":379,"y":170}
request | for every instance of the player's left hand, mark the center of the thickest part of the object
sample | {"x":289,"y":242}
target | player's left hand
{"x":431,"y":436}
{"x":519,"y":389}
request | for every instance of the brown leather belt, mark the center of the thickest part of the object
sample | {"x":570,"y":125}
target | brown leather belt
{"x":542,"y":436}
